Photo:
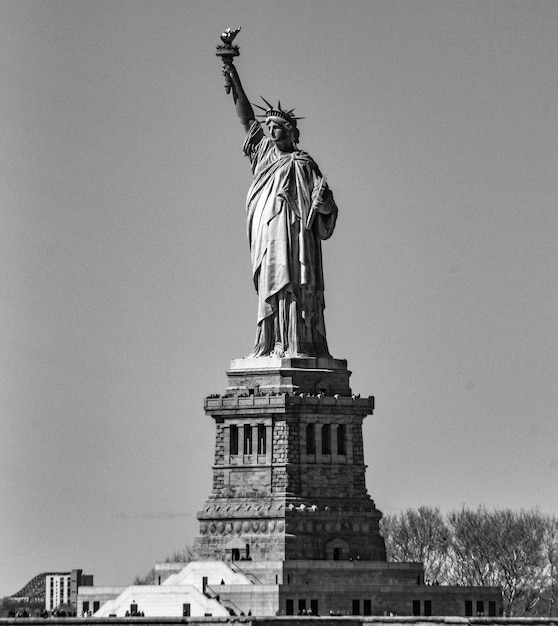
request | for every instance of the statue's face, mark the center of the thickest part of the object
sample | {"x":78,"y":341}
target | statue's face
{"x":281,"y":136}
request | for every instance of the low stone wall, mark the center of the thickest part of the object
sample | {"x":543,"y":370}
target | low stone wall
{"x":283,"y":621}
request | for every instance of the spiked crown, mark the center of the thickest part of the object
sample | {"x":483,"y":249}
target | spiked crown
{"x":271,"y":111}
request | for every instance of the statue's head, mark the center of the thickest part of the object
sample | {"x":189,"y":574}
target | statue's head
{"x":276,"y":116}
{"x":284,"y":133}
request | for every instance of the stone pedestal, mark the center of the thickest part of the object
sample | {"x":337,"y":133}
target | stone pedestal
{"x":263,"y":375}
{"x":289,"y":473}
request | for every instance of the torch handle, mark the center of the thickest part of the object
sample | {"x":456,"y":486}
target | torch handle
{"x":228,"y":82}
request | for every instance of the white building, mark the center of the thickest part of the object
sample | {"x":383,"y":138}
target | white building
{"x":57,"y":590}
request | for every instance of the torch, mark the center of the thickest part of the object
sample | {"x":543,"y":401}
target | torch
{"x":227,"y":52}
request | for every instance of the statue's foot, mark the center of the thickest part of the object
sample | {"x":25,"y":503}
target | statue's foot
{"x":255,"y":354}
{"x":278,"y":350}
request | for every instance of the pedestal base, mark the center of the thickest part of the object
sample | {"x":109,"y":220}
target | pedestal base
{"x":272,"y":374}
{"x":289,"y":473}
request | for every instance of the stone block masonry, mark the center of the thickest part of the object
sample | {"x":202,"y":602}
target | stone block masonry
{"x":289,"y":473}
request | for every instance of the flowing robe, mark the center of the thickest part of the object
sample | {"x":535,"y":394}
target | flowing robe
{"x":286,"y":248}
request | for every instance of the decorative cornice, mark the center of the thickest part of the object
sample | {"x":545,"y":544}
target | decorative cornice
{"x":270,"y":401}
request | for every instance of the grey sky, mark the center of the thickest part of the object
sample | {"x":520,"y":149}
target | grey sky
{"x":125,"y":276}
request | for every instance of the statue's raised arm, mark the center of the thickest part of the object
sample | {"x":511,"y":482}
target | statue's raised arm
{"x":227,"y":52}
{"x":244,"y":109}
{"x":290,"y":210}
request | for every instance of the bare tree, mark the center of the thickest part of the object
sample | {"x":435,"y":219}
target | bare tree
{"x":472,"y":551}
{"x":420,"y":535}
{"x":550,"y":552}
{"x":147,"y":579}
{"x":514,"y":550}
{"x":178,"y":556}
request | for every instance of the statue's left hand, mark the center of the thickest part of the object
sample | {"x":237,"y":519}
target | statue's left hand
{"x":322,"y":199}
{"x":317,"y":195}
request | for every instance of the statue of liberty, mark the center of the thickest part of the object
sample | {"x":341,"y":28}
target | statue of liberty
{"x":290,"y":209}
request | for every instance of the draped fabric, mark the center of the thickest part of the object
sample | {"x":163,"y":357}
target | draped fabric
{"x":285,"y":248}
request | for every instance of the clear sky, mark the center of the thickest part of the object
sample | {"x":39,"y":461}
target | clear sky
{"x":125,"y":274}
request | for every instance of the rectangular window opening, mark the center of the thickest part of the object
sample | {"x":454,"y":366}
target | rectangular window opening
{"x":310,"y":439}
{"x":341,"y":438}
{"x":233,"y":440}
{"x":262,"y":443}
{"x":247,"y":439}
{"x":326,"y":443}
